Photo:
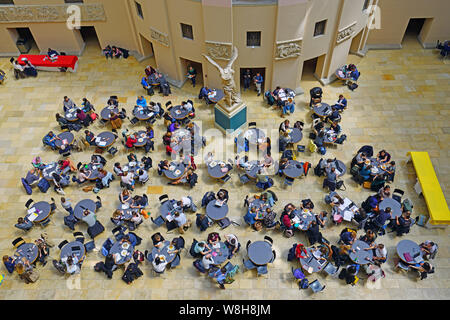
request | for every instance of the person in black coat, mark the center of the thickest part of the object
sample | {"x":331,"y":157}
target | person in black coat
{"x":313,"y":233}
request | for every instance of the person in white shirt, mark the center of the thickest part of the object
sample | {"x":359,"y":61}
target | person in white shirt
{"x":128,"y":178}
{"x":143,"y":176}
{"x":71,"y":263}
{"x":380,"y":254}
{"x":159,"y":264}
{"x":209,"y":158}
{"x":187,"y":106}
{"x":182,"y":222}
{"x":207,"y":261}
{"x":18,"y":69}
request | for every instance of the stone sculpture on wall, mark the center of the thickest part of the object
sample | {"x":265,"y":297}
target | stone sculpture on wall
{"x":288,"y":49}
{"x":346,"y":33}
{"x":218,"y":50}
{"x":49,"y":13}
{"x":160,"y":37}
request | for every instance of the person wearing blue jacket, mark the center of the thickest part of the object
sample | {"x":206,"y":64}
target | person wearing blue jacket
{"x":341,"y":104}
{"x":141,"y":101}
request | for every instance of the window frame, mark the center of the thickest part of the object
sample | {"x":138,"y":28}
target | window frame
{"x":247,"y":39}
{"x":189,"y":26}
{"x":324,"y":28}
{"x":139,"y":11}
{"x":8,"y":4}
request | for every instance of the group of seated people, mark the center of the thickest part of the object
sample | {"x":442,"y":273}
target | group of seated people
{"x":259,"y":216}
{"x":132,"y":139}
{"x":202,"y":221}
{"x":362,"y":169}
{"x":187,"y":106}
{"x":283,"y":98}
{"x":204,"y":94}
{"x":285,"y":139}
{"x":115,"y":52}
{"x":152,"y":79}
{"x":23,"y":71}
{"x":158,"y":261}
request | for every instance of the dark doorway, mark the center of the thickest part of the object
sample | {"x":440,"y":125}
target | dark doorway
{"x":253,"y":71}
{"x":89,"y":36}
{"x":309,"y":67}
{"x":414,"y":28}
{"x":185,"y":63}
{"x":23,"y":39}
{"x":147,"y":46}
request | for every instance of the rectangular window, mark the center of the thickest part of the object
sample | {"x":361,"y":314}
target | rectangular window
{"x":366,"y":5}
{"x":6,"y":2}
{"x":139,"y":10}
{"x":186,"y":31}
{"x":319,"y":28}
{"x":253,"y":38}
{"x":73,"y":1}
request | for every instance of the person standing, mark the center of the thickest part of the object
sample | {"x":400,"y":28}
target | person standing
{"x":258,"y":79}
{"x":192,"y":74}
{"x":18,"y":69}
{"x":247,"y":79}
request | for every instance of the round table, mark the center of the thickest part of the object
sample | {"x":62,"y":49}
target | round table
{"x":360,"y":256}
{"x":305,"y":219}
{"x":49,"y":169}
{"x":216,"y":171}
{"x":95,"y":174}
{"x":118,"y":248}
{"x":216,"y":213}
{"x":296,"y":135}
{"x":408,"y":246}
{"x":105,"y":114}
{"x":396,"y":207}
{"x":260,"y":252}
{"x":376,"y":167}
{"x":142,"y":113}
{"x":171,"y":174}
{"x":340,"y":166}
{"x":71,"y":115}
{"x":254,"y":135}
{"x":67,"y":135}
{"x":178,"y":112}
{"x":252,"y":171}
{"x":107,"y":137}
{"x":261,"y":208}
{"x":340,"y":77}
{"x":74,"y":247}
{"x":29,"y":251}
{"x":219,"y":96}
{"x":169,"y":255}
{"x":133,"y":169}
{"x":168,"y":208}
{"x":43,"y":209}
{"x":141,"y":134}
{"x":322,"y":109}
{"x":82,"y":205}
{"x":153,"y":80}
{"x":294,"y":169}
{"x":219,"y":254}
{"x":312,"y":262}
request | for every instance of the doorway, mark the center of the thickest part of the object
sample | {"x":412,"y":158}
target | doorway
{"x":147,"y":46}
{"x":313,"y":68}
{"x":24,"y":40}
{"x":90,"y":38}
{"x":185,"y":63}
{"x":413,"y":29}
{"x":356,"y":42}
{"x":253,"y":72}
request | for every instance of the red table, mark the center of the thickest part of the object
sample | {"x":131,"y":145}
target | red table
{"x":43,"y":62}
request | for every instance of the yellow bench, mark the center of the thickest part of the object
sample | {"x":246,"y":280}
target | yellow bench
{"x":428,"y":185}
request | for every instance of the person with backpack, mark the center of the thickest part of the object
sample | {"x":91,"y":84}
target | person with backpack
{"x":313,"y":233}
{"x":349,"y":274}
{"x":402,"y":224}
{"x":232,"y":243}
{"x":330,"y":180}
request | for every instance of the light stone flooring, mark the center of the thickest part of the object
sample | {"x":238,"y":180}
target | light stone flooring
{"x":402,"y":104}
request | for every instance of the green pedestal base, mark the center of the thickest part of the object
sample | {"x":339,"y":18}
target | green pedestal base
{"x":229,"y":122}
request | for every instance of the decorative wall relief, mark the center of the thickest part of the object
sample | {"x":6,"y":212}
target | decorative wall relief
{"x":288,"y":49}
{"x":49,"y":13}
{"x":346,"y":33}
{"x":160,"y":37}
{"x":218,"y":50}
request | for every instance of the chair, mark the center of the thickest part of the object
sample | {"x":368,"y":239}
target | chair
{"x":268,"y":239}
{"x":226,"y":178}
{"x":397,"y":195}
{"x":175,"y":262}
{"x":316,"y":286}
{"x":249,"y":265}
{"x":112,"y":151}
{"x":29,"y":203}
{"x":301,"y":148}
{"x":78,"y":236}
{"x":45,"y":222}
{"x":288,"y":181}
{"x":134,"y":120}
{"x":62,"y":244}
{"x":117,"y":232}
{"x":89,"y":246}
{"x":159,"y":221}
{"x":274,"y":256}
{"x":261,"y":270}
{"x":252,"y":125}
{"x":224,"y":223}
{"x":163,"y":198}
{"x":168,"y":103}
{"x":248,"y":243}
{"x":401,"y":266}
{"x":18,"y":242}
{"x":229,"y":266}
{"x":331,"y":269}
{"x":244,"y":178}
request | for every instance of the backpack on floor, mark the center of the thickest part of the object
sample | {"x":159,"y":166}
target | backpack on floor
{"x":26,"y":186}
{"x":199,"y":266}
{"x":96,"y":229}
{"x":322,"y":150}
{"x":341,"y":139}
{"x":352,"y":86}
{"x":291,"y":254}
{"x":43,"y":185}
{"x":303,"y":284}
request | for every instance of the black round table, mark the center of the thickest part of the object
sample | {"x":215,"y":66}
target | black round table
{"x":127,"y":211}
{"x":105,"y":114}
{"x":408,"y":247}
{"x":172,"y":175}
{"x":220,"y":253}
{"x":142,"y":113}
{"x":43,"y":210}
{"x":107,"y":139}
{"x":124,"y":250}
{"x":178,"y":112}
{"x":71,"y":248}
{"x":340,"y":166}
{"x":396,"y":207}
{"x":260,"y":252}
{"x":217,"y":97}
{"x":168,"y":208}
{"x":83,"y":205}
{"x":49,"y":169}
{"x":95,"y":173}
{"x":141,"y":137}
{"x":294,"y":169}
{"x":361,"y":255}
{"x":322,"y":109}
{"x":216,"y":212}
{"x":153,"y":80}
{"x":305,"y":219}
{"x":296,"y":135}
{"x":216,"y":171}
{"x":252,"y":171}
{"x":67,"y":135}
{"x":254,"y":135}
{"x":166,"y":251}
{"x":311,"y":264}
{"x":71,"y":115}
{"x":261,"y":208}
{"x":29,"y":251}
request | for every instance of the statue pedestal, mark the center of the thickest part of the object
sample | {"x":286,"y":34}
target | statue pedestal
{"x":229,"y":120}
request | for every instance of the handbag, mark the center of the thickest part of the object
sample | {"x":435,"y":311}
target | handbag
{"x":340,"y":184}
{"x":367,"y":184}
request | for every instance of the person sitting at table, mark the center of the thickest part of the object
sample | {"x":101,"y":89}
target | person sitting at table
{"x":159,"y":263}
{"x":424,"y":268}
{"x":379,"y":254}
{"x":66,"y":165}
{"x":204,"y":94}
{"x":182,"y":222}
{"x":301,"y":252}
{"x":24,"y":223}
{"x":116,"y":52}
{"x":117,"y":217}
{"x":18,"y":69}
{"x":72,"y":264}
{"x":369,"y":238}
{"x":341,"y":103}
{"x":9,"y":263}
{"x":146,"y":85}
{"x":385,"y":191}
{"x":50,"y":140}
{"x":163,"y":165}
{"x":43,"y":251}
{"x":167,"y":138}
{"x":25,"y":271}
{"x":82,"y":176}
{"x":377,"y":223}
{"x":89,"y":217}
{"x":268,"y":198}
{"x":68,"y":104}
{"x":335,"y":128}
{"x":402,"y":224}
{"x":141,"y":101}
{"x":321,"y":218}
{"x":232,"y":243}
{"x":84,"y":119}
{"x":90,"y":137}
{"x":390,"y":172}
{"x":213,"y":238}
{"x":366,"y":170}
{"x":288,"y":107}
{"x":331,"y":179}
{"x":173,"y":127}
{"x":149,"y":71}
{"x":127,"y":179}
{"x":313,"y":233}
{"x":287,"y":221}
{"x":115,"y":120}
{"x":157,"y":241}
{"x":250,"y":216}
{"x":188,"y":107}
{"x":87,"y":107}
{"x":428,"y":248}
{"x":29,"y":69}
{"x":131,"y":140}
{"x":284,"y":126}
{"x":383,"y":156}
{"x":348,"y":237}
